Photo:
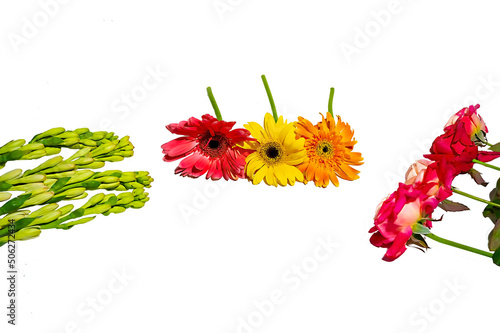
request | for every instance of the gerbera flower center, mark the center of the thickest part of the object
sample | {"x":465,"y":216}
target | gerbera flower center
{"x":213,"y":145}
{"x":324,"y":149}
{"x":271,"y":152}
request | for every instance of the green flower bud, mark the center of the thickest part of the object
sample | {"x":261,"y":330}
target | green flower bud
{"x":82,"y":161}
{"x":116,"y":210}
{"x":34,"y":187}
{"x":34,"y":155}
{"x":110,"y":199}
{"x":81,"y":131}
{"x":45,"y":165}
{"x":12,"y":145}
{"x":136,"y":204}
{"x":44,"y":210}
{"x":14,"y":216}
{"x":80,"y":176}
{"x":99,"y":135}
{"x":52,"y":150}
{"x":72,"y":224}
{"x":5,"y":196}
{"x":66,"y":209}
{"x":72,"y":192}
{"x":108,"y":179}
{"x":28,"y":233}
{"x":68,"y":134}
{"x":81,"y":196}
{"x":94,"y":165}
{"x":124,"y":142}
{"x":109,"y":186}
{"x":51,"y":132}
{"x":96,"y":199}
{"x":60,"y":168}
{"x":38,"y":199}
{"x":23,"y":234}
{"x":49,"y":182}
{"x":61,"y":174}
{"x":32,"y":146}
{"x":28,"y":179}
{"x":80,"y":153}
{"x":99,"y":209}
{"x":88,"y":142}
{"x":113,"y":173}
{"x":138,"y":191}
{"x":103,"y":149}
{"x":70,"y":141}
{"x":110,"y":159}
{"x":14,"y":174}
{"x":47,"y":218}
{"x":126,"y":200}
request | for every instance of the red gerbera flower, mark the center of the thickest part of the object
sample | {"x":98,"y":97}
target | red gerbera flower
{"x":211,"y":147}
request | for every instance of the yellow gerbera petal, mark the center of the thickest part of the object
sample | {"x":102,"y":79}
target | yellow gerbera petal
{"x":256,"y":131}
{"x":259,"y":175}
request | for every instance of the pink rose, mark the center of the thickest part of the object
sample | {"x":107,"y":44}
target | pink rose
{"x":473,"y":123}
{"x":397,"y":214}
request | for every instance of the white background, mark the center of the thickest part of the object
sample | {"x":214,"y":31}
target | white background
{"x":205,"y":271}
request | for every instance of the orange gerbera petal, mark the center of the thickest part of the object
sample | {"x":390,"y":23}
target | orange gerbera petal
{"x":329,"y":146}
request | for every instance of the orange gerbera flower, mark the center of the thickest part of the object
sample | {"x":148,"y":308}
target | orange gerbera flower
{"x":329,"y":148}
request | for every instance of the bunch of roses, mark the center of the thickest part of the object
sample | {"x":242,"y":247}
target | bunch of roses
{"x":405,"y":217}
{"x":278,"y":153}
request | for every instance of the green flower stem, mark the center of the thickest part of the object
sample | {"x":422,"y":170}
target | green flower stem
{"x":330,"y":101}
{"x":470,"y":196}
{"x":270,"y":96}
{"x":214,"y":104}
{"x":459,"y":246}
{"x":486,"y":165}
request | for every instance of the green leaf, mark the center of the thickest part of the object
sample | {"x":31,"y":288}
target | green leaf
{"x":492,"y":212}
{"x":476,"y":176}
{"x":14,"y":204}
{"x":4,"y":186}
{"x":495,"y":147}
{"x":496,"y":257}
{"x":452,"y":206}
{"x":494,"y":237}
{"x":59,"y":184}
{"x":12,"y":156}
{"x":420,"y":229}
{"x":18,"y":225}
{"x":52,"y":142}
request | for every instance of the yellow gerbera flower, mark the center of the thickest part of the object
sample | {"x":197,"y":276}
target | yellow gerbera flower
{"x":329,"y":148}
{"x":277,"y":152}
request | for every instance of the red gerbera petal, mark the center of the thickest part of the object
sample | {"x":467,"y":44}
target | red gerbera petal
{"x":213,"y":145}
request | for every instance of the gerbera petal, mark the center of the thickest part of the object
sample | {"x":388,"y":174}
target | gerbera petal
{"x":270,"y":178}
{"x":260,"y":175}
{"x":256,"y":130}
{"x":270,"y":125}
{"x":280,"y":175}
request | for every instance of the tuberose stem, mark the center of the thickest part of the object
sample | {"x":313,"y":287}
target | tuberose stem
{"x":270,"y":96}
{"x":330,"y":101}
{"x":470,"y":196}
{"x":214,"y":104}
{"x":486,"y":165}
{"x":459,"y":246}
